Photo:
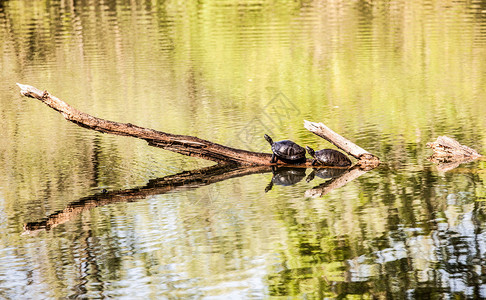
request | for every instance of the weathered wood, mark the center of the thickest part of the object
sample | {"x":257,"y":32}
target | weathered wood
{"x":183,"y":144}
{"x":190,"y":145}
{"x":346,"y":145}
{"x":448,"y":149}
{"x":449,"y":153}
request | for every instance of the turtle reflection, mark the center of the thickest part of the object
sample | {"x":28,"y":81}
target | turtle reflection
{"x":326,"y":173}
{"x":285,"y":176}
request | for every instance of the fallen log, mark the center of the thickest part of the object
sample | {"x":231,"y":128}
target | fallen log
{"x":190,"y":145}
{"x":364,"y":157}
{"x":183,"y":144}
{"x":448,"y":149}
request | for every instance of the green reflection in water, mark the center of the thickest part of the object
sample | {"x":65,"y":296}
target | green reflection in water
{"x":390,"y":76}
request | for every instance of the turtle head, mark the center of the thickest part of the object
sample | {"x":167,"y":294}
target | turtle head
{"x":310,"y":151}
{"x":269,"y":139}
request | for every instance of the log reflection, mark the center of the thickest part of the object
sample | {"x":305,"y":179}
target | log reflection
{"x":336,"y":182}
{"x":184,"y":180}
{"x":194,"y":179}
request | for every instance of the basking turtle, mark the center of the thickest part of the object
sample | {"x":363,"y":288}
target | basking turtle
{"x":329,"y":157}
{"x":286,"y":151}
{"x":286,"y":176}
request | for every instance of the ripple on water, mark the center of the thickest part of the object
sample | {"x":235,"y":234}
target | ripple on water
{"x":388,"y":76}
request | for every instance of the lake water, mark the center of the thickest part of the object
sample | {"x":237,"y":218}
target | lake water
{"x":90,"y":215}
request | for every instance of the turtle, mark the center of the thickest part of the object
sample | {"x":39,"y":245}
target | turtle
{"x":329,"y":157}
{"x":286,"y":151}
{"x":285,"y":176}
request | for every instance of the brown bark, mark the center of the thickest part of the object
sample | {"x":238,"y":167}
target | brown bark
{"x":184,"y":144}
{"x":448,"y":149}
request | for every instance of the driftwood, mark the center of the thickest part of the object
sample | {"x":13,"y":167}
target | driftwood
{"x":336,"y":139}
{"x":448,"y":149}
{"x":184,"y":144}
{"x":231,"y":162}
{"x":365,"y":159}
{"x":449,"y":153}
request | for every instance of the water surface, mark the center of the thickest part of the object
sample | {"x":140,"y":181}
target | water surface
{"x":390,"y":76}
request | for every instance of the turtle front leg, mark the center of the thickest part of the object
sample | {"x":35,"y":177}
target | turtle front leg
{"x":314,"y":162}
{"x":274,"y":158}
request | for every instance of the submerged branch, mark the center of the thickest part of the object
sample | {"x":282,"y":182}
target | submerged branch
{"x":449,"y":149}
{"x":449,"y":153}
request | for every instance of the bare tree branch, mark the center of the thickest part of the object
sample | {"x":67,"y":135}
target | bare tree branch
{"x":190,"y":145}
